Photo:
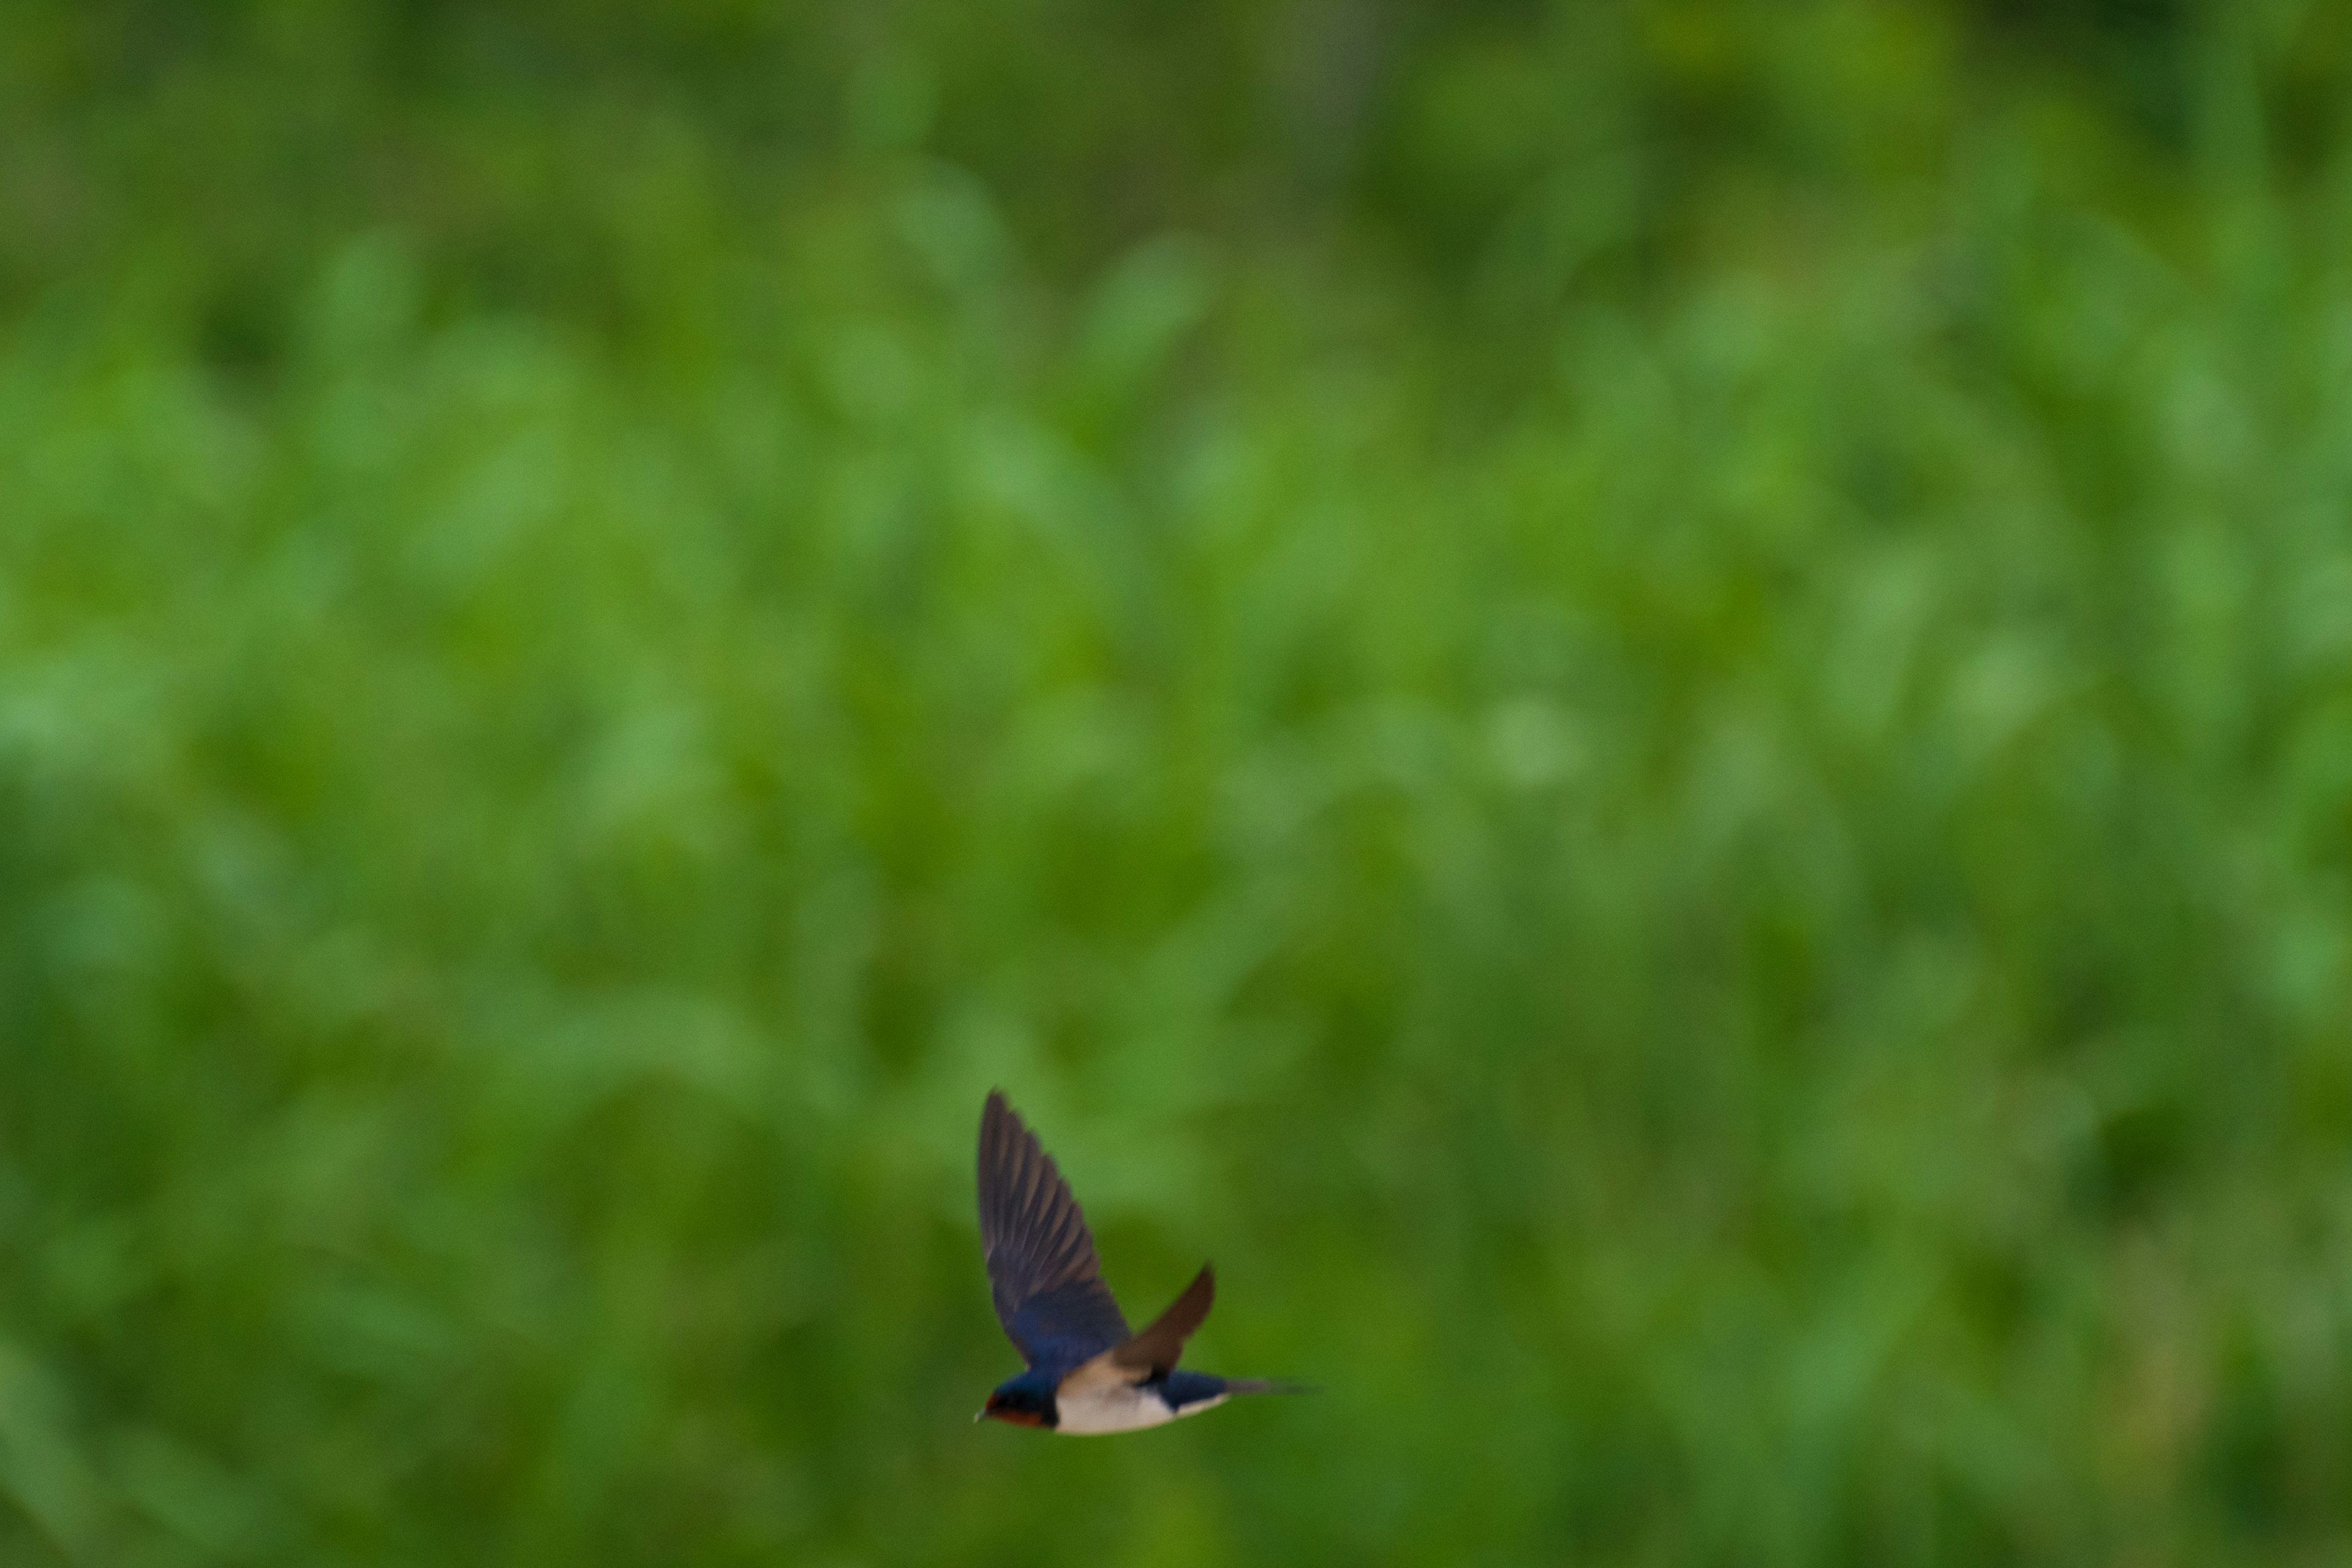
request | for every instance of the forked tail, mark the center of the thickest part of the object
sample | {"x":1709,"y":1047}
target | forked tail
{"x":1268,"y":1385}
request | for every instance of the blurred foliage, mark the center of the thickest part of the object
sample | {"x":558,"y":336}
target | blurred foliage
{"x":1647,"y":704}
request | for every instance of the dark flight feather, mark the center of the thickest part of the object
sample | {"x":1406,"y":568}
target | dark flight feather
{"x":1158,"y":1346}
{"x":1042,"y":1271}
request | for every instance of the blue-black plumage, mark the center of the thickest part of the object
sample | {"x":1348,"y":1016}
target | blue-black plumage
{"x":1087,"y":1373}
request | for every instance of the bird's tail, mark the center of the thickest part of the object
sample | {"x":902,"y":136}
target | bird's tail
{"x":1268,"y":1385}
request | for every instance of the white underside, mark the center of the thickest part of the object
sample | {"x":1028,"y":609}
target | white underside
{"x":1102,"y":1396}
{"x":1091,"y":1412}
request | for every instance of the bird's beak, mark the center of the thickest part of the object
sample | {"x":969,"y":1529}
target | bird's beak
{"x":978,"y":1417}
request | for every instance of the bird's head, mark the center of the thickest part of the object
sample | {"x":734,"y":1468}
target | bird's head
{"x":1024,"y":1401}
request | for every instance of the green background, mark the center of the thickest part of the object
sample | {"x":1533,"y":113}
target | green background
{"x":1648,"y":705}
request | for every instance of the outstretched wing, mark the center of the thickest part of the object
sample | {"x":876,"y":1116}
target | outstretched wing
{"x":1041,"y":1270}
{"x":1157,"y":1347}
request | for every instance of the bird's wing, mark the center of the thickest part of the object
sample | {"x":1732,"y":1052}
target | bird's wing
{"x":1158,"y":1346}
{"x":1041,"y":1270}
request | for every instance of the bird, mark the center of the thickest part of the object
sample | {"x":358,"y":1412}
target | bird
{"x":1086,"y":1375}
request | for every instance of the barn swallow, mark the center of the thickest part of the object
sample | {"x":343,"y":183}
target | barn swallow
{"x":1086,"y":1372}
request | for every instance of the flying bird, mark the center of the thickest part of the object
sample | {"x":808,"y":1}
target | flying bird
{"x":1086,"y":1372}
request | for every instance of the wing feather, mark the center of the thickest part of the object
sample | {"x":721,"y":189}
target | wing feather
{"x":1042,"y":1271}
{"x":1158,"y":1346}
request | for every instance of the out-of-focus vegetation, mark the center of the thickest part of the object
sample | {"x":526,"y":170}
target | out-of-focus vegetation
{"x":1648,"y":705}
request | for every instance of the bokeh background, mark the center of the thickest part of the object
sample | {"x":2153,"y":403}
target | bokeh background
{"x":1647,"y":704}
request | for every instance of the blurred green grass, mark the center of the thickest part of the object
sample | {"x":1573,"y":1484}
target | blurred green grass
{"x":1648,"y":706}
